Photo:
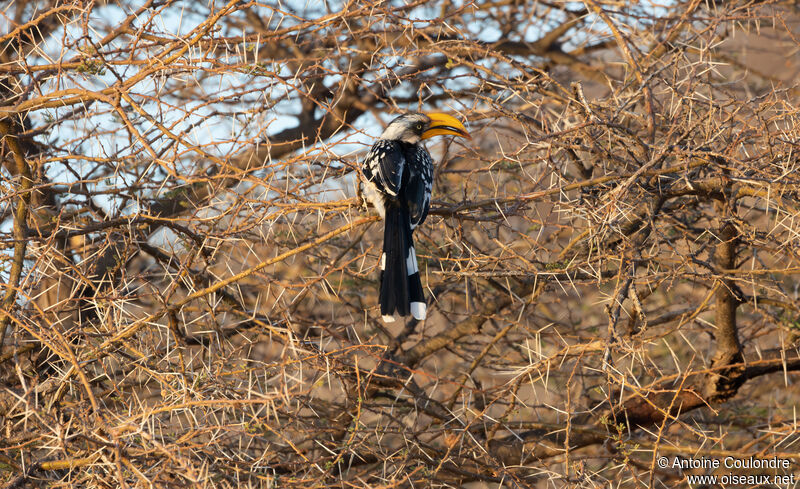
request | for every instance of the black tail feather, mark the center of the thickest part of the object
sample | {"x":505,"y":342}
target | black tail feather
{"x":401,"y":287}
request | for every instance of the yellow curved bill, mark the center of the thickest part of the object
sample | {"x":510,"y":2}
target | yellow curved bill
{"x":443,"y":124}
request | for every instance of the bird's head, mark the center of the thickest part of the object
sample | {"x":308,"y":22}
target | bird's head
{"x":413,"y":127}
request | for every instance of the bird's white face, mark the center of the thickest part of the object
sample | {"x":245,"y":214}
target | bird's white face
{"x":407,"y":128}
{"x":413,"y":127}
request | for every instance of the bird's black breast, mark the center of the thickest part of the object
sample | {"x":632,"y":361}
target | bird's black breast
{"x":403,"y":172}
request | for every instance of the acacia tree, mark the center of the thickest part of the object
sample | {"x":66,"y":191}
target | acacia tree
{"x":189,"y":268}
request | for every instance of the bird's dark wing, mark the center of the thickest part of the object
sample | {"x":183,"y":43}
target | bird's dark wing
{"x":417,"y":191}
{"x":384,"y":165}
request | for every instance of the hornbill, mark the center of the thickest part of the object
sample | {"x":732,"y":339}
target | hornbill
{"x":398,"y":173}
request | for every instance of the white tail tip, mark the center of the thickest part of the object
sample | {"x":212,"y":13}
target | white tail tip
{"x":419,"y":310}
{"x":388,"y":319}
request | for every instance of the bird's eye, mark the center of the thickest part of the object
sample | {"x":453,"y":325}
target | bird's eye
{"x":419,"y":126}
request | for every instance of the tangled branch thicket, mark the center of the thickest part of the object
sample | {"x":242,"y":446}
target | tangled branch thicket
{"x":190,"y":273}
